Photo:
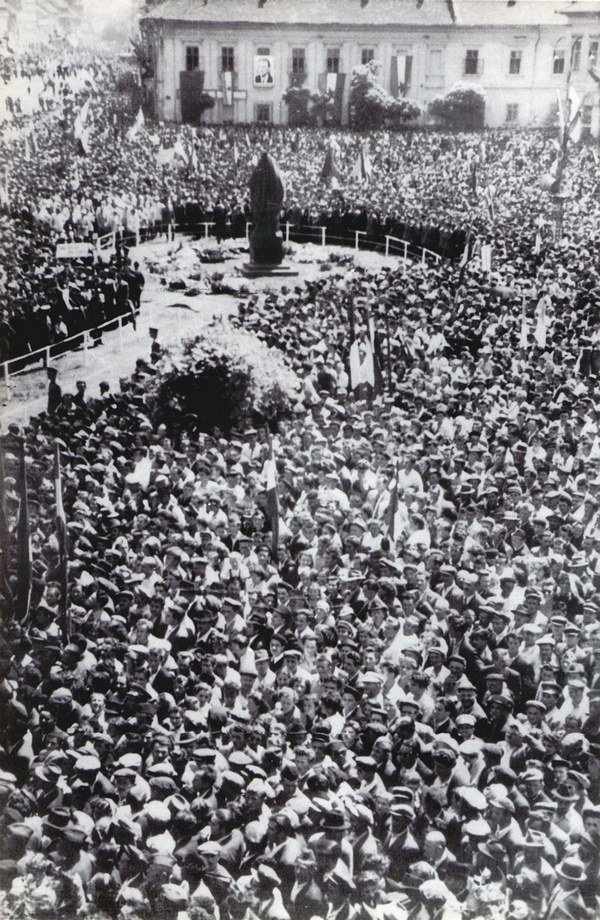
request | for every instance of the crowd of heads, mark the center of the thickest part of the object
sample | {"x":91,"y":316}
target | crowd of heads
{"x":391,"y":710}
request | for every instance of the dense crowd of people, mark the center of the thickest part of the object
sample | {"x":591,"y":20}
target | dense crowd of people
{"x":395,"y":712}
{"x":79,"y":170}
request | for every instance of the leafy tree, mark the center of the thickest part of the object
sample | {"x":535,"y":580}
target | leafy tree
{"x":461,"y":107}
{"x":297,"y":99}
{"x":371,"y":105}
{"x":324,"y":110}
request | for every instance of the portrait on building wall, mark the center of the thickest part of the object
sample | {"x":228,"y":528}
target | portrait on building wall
{"x":263,"y":70}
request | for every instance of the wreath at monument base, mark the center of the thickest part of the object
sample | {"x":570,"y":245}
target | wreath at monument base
{"x":222,"y":380}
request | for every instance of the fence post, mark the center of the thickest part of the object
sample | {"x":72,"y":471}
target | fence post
{"x":323,"y":232}
{"x":85,"y":346}
{"x":356,"y":238}
{"x":247,"y":231}
{"x":387,"y":246}
{"x":46,"y":358}
{"x":113,"y":238}
{"x":137,"y":237}
{"x":120,"y":332}
{"x":287,"y":232}
{"x":423,"y":257}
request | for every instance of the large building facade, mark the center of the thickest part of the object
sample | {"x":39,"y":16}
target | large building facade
{"x":247,"y":53}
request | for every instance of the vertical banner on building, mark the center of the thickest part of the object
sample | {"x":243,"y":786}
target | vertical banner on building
{"x":227,"y":87}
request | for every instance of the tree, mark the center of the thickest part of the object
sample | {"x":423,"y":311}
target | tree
{"x":297,"y":99}
{"x":461,"y":107}
{"x":371,"y":105}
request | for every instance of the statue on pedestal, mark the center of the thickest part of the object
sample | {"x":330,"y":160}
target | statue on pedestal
{"x":266,"y":199}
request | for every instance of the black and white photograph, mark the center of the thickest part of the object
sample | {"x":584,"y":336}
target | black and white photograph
{"x":299,"y":460}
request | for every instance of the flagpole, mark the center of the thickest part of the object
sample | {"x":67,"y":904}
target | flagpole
{"x":273,"y":501}
{"x":24,"y":565}
{"x":388,"y":344}
{"x":61,"y":528}
{"x":4,"y":542}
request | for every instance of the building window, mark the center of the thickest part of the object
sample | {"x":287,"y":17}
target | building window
{"x":227,"y":60}
{"x":576,"y":55}
{"x":558,"y":64}
{"x":593,"y":56}
{"x":515,"y":62}
{"x":333,"y":60}
{"x":262,"y":113}
{"x":263,"y":52}
{"x":435,"y":61}
{"x":192,"y":58}
{"x":298,"y":60}
{"x":472,"y":62}
{"x":512,"y":113}
{"x":367,"y":55}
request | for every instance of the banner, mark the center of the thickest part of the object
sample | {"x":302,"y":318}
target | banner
{"x":227,"y":78}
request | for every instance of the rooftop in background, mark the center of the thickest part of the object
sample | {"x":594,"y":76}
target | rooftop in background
{"x":425,"y":13}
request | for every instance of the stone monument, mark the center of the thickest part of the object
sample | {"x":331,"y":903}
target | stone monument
{"x":266,"y":240}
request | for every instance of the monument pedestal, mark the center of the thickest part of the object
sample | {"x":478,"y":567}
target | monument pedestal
{"x":254,"y":270}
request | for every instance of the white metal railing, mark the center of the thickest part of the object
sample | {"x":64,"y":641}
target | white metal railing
{"x":109,"y":241}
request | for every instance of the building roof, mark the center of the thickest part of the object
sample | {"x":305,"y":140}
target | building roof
{"x":365,"y":13}
{"x":505,"y":13}
{"x":582,"y":8}
{"x":305,"y":12}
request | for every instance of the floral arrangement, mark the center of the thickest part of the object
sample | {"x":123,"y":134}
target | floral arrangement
{"x":223,"y":379}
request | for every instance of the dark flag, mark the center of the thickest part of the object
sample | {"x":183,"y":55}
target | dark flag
{"x":61,"y":534}
{"x":24,"y":564}
{"x":392,"y":509}
{"x":272,"y":508}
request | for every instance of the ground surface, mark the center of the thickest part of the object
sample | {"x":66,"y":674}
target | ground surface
{"x":175,"y":315}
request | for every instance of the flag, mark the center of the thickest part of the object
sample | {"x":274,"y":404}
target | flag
{"x":561,"y":115}
{"x":486,"y":257}
{"x":180,"y":151}
{"x":391,"y":512}
{"x":362,"y":366}
{"x":24,"y":563}
{"x":5,"y":589}
{"x":377,"y":375}
{"x":330,"y":172}
{"x":367,"y":167}
{"x":248,"y":144}
{"x":83,"y":143}
{"x":136,"y":127}
{"x":61,"y":535}
{"x":272,"y":508}
{"x":489,"y":194}
{"x":236,"y":154}
{"x":541,"y":327}
{"x":81,"y":119}
{"x":227,"y":77}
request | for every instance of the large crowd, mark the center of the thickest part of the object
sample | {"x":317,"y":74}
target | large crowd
{"x":397,"y":713}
